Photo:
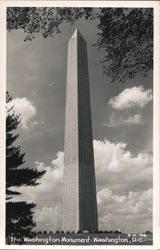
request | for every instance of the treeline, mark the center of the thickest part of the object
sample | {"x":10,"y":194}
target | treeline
{"x":80,"y":232}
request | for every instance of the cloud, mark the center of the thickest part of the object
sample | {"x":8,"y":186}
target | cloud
{"x":137,"y":119}
{"x":50,"y":216}
{"x":34,"y":92}
{"x":36,"y":123}
{"x":131,"y":97}
{"x":117,"y":120}
{"x":119,"y":169}
{"x":50,"y":84}
{"x":47,"y":195}
{"x":26,"y":110}
{"x":130,"y":213}
{"x":123,"y":183}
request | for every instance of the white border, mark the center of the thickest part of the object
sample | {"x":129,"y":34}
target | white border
{"x":156,"y":115}
{"x":156,"y":128}
{"x":2,"y":121}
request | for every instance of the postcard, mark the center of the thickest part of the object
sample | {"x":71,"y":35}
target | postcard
{"x":80,"y":125}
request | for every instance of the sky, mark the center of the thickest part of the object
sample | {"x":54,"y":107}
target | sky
{"x":122,"y":130}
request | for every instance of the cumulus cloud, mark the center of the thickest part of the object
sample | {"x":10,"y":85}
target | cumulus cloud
{"x":130,"y":213}
{"x":50,"y":84}
{"x":50,"y":183}
{"x":137,"y":119}
{"x":117,"y":120}
{"x":119,"y":169}
{"x":47,"y":195}
{"x":50,"y":216}
{"x":124,"y":192}
{"x":131,"y":97}
{"x":25,"y":108}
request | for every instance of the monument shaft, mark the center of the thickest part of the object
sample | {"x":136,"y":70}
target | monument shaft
{"x":79,"y":188}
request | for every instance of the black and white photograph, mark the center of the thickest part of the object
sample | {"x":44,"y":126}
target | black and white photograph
{"x":79,"y":125}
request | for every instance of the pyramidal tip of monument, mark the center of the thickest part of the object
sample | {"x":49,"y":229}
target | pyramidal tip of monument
{"x":76,"y":33}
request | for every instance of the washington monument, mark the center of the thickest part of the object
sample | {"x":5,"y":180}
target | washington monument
{"x":79,"y":187}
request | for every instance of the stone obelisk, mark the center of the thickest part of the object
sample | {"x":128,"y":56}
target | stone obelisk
{"x":79,"y":187}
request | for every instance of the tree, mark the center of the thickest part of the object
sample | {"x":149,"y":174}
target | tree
{"x":125,"y":34}
{"x":43,"y":20}
{"x":19,"y":215}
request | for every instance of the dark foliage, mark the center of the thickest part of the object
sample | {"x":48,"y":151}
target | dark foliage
{"x":148,"y":232}
{"x":50,"y":232}
{"x":44,"y":20}
{"x":19,"y":219}
{"x":79,"y":232}
{"x":125,"y":34}
{"x":67,"y":232}
{"x":19,"y":215}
